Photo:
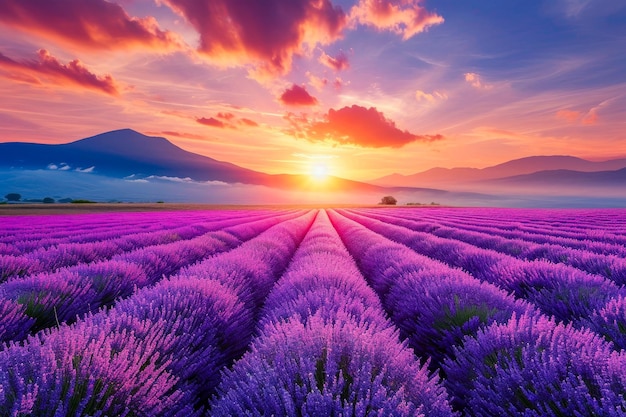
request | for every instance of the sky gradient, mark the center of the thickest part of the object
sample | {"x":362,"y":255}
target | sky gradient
{"x":365,"y":87}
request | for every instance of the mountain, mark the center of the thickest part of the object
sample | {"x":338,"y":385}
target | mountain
{"x":567,"y":178}
{"x":438,"y":177}
{"x":129,"y":154}
{"x":123,"y":153}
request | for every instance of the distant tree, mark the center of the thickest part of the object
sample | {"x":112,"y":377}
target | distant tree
{"x":13,"y":197}
{"x":65,"y":200}
{"x":48,"y":200}
{"x":388,"y":200}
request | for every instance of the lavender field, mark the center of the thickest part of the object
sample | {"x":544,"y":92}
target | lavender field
{"x":294,"y":312}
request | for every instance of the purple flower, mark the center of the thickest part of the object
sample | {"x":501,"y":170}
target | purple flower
{"x":533,"y":366}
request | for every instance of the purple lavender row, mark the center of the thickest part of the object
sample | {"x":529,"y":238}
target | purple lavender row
{"x":533,"y":366}
{"x":561,"y":291}
{"x":494,"y":365}
{"x":64,"y":226}
{"x":158,"y":352}
{"x":593,"y":241}
{"x":64,"y":255}
{"x":609,"y":266}
{"x":324,"y":347}
{"x":588,"y":224}
{"x":608,"y":320}
{"x":42,"y":301}
{"x":24,"y":242}
{"x":433,"y":305}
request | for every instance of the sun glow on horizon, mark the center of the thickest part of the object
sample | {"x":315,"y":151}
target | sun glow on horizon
{"x":319,"y":171}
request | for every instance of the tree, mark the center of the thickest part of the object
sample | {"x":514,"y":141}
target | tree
{"x":13,"y":197}
{"x":48,"y":200}
{"x":388,"y":200}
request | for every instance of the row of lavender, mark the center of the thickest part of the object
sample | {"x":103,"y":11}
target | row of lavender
{"x":322,"y":338}
{"x":161,"y":350}
{"x":498,"y":354}
{"x":60,"y":293}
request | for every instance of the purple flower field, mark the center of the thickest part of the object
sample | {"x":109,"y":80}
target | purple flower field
{"x":298,"y":312}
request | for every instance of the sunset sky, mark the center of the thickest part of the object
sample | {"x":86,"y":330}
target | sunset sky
{"x":364,"y":87}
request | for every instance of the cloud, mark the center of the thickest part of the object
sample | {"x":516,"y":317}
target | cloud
{"x":568,"y":115}
{"x":94,"y":24}
{"x":317,"y":82}
{"x":85,"y":170}
{"x":211,"y":121}
{"x":297,"y":96}
{"x":475,"y":81}
{"x":58,"y":167}
{"x":248,"y":122}
{"x":591,"y":118}
{"x":430,"y":97}
{"x":226,"y":120}
{"x":47,"y":67}
{"x":360,"y":126}
{"x":338,"y":63}
{"x":264,"y":34}
{"x":404,"y":17}
{"x":225,"y":116}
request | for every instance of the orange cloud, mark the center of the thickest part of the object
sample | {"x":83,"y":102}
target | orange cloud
{"x":568,"y":115}
{"x":359,"y":126}
{"x":475,"y":81}
{"x":404,"y":17}
{"x":49,"y":68}
{"x":248,"y":122}
{"x":591,"y":118}
{"x":264,"y":34}
{"x":297,"y":96}
{"x":430,"y":97}
{"x":339,"y":63}
{"x":94,"y":24}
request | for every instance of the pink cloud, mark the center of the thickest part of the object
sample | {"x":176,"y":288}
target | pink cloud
{"x":297,"y":96}
{"x":48,"y":68}
{"x":338,"y":63}
{"x":430,"y":97}
{"x":404,"y":17}
{"x":317,"y":82}
{"x":591,"y":118}
{"x":90,"y":24}
{"x":568,"y":115}
{"x":248,"y":122}
{"x":361,"y":126}
{"x":476,"y":81}
{"x":265,"y":34}
{"x":211,"y":121}
{"x":225,"y":116}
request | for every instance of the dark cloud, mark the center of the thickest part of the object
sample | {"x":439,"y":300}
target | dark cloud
{"x":361,"y":126}
{"x":265,"y":33}
{"x":48,"y":68}
{"x":297,"y":96}
{"x":211,"y":121}
{"x":89,"y":24}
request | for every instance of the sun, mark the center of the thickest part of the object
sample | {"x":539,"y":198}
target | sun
{"x":319,"y":172}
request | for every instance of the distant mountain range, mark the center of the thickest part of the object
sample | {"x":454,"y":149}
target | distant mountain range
{"x":125,"y":165}
{"x":129,"y":154}
{"x":534,"y":170}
